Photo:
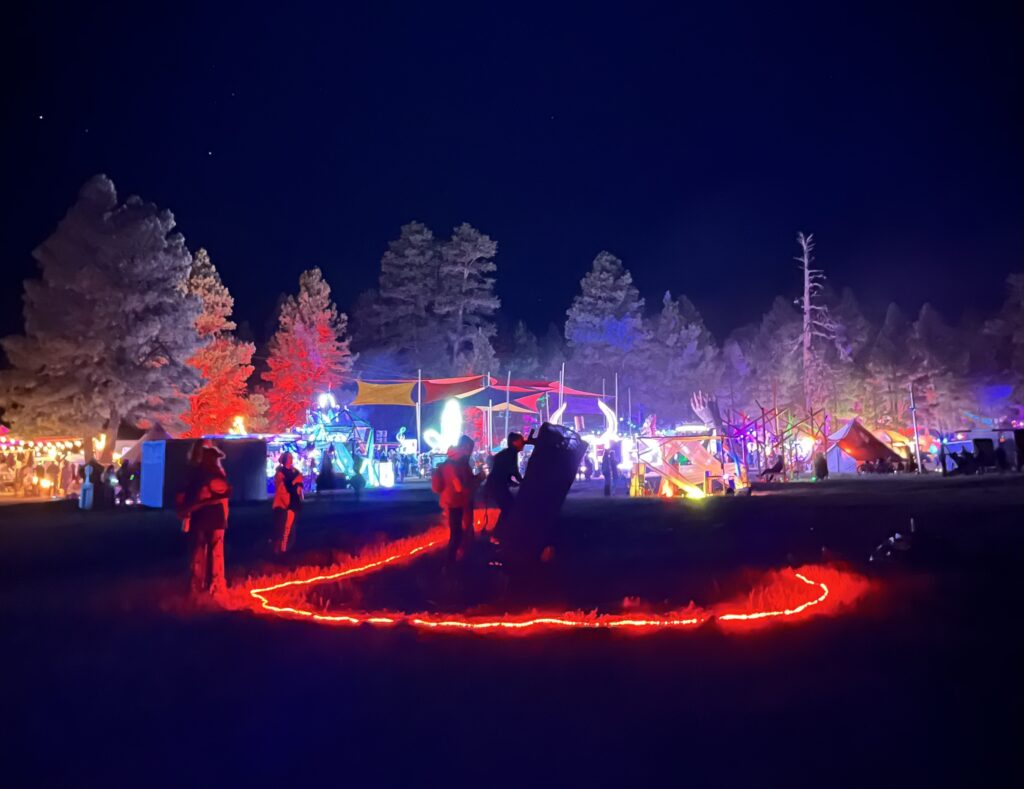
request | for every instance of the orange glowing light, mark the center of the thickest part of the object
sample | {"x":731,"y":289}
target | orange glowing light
{"x":782,"y":595}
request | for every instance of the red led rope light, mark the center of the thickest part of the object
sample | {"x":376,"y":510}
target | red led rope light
{"x":405,"y":550}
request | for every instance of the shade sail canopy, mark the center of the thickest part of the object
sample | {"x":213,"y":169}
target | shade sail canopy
{"x":384,"y":394}
{"x":492,"y":395}
{"x":435,"y":389}
{"x":512,"y":407}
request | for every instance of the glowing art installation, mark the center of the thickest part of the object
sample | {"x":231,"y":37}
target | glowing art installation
{"x":556,"y":417}
{"x":611,"y":429}
{"x":781,"y":595}
{"x":386,"y":474}
{"x":451,"y":428}
{"x":238,"y":427}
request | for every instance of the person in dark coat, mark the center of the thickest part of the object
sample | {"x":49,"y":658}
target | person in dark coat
{"x":504,"y":474}
{"x":124,"y":482}
{"x":609,"y":470}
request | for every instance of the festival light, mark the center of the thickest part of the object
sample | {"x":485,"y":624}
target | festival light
{"x":451,"y":428}
{"x":326,"y":400}
{"x":626,"y":461}
{"x":781,"y":595}
{"x":611,"y":431}
{"x":238,"y":427}
{"x":556,"y":417}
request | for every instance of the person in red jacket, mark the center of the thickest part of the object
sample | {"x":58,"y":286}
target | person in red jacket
{"x":455,"y":485}
{"x":287,"y":501}
{"x":203,"y":509}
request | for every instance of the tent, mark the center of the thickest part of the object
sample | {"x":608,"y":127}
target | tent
{"x":155,"y":433}
{"x":853,"y":444}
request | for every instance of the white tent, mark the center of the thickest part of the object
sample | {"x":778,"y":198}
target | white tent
{"x":155,"y":433}
{"x":853,"y":444}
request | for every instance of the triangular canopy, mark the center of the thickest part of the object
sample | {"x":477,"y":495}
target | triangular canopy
{"x":154,"y":433}
{"x":860,"y":443}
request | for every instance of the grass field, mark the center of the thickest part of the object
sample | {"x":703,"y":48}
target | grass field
{"x":111,"y":680}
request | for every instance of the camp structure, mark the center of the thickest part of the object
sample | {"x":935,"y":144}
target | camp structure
{"x":853,"y":444}
{"x":155,"y":433}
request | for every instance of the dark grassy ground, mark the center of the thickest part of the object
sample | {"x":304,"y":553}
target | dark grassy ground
{"x":108,"y":682}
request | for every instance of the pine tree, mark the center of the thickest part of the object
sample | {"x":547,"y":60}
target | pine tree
{"x":409,"y":276}
{"x":680,"y":360}
{"x":222,"y":361}
{"x":939,"y":362}
{"x":1008,"y":330}
{"x":604,"y":326}
{"x":845,"y":375}
{"x":523,"y":357}
{"x":108,"y":327}
{"x":309,"y":353}
{"x":778,"y":377}
{"x":466,"y":300}
{"x":890,"y":368}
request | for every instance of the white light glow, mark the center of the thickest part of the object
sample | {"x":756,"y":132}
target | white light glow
{"x":326,"y":399}
{"x":611,"y":431}
{"x":451,"y":428}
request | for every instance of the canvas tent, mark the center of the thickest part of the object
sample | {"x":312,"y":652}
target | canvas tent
{"x":853,"y":444}
{"x":155,"y":433}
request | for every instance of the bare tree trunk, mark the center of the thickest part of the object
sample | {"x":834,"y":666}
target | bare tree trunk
{"x":107,"y":455}
{"x":87,"y":445}
{"x":805,"y":264}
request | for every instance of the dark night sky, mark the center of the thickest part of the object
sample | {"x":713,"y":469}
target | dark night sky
{"x":691,"y":142}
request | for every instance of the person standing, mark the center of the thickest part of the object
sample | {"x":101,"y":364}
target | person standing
{"x":504,"y":474}
{"x":203,"y":509}
{"x":608,"y":470}
{"x":471,"y":480}
{"x":124,"y":482}
{"x":287,"y":501}
{"x":452,"y":481}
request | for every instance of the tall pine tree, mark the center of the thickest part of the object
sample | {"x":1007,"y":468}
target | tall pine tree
{"x":222,"y":361}
{"x":681,"y":360}
{"x":466,"y":300}
{"x":604,"y":326}
{"x":309,"y":353}
{"x":1008,"y":330}
{"x":109,"y":326}
{"x":409,"y":276}
{"x":890,"y":369}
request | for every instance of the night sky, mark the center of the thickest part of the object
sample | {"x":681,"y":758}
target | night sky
{"x":692,"y":142}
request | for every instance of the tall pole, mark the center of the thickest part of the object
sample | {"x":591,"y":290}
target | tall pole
{"x":616,"y":402}
{"x":629,"y":405}
{"x":419,"y":413}
{"x":917,"y":439}
{"x":561,"y":386}
{"x":490,"y":425}
{"x":508,"y":397}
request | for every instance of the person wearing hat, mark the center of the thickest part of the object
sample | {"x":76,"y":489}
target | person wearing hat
{"x":504,"y":474}
{"x":203,"y":509}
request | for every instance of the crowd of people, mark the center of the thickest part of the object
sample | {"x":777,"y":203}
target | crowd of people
{"x":203,"y":503}
{"x":28,"y":475}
